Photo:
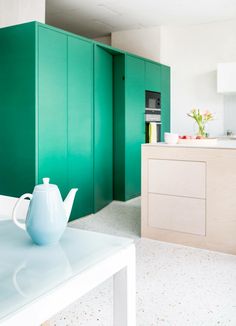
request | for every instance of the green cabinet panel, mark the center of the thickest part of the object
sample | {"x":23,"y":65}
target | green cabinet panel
{"x":165,"y":100}
{"x":52,"y":107}
{"x":80,"y":124}
{"x":17,"y":102}
{"x":134,"y":124}
{"x":152,"y":76}
{"x":119,"y":127}
{"x":103,"y":128}
{"x":73,"y":110}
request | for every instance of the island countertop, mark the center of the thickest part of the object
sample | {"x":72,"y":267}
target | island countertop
{"x":188,"y":194}
{"x":220,"y":144}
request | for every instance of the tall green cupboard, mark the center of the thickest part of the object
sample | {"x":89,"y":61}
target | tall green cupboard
{"x":134,"y":124}
{"x":80,"y":124}
{"x":133,"y":76}
{"x":129,"y":125}
{"x":165,"y":98}
{"x":73,"y":110}
{"x":103,"y":128}
{"x":18,"y":112}
{"x":51,"y":113}
{"x":46,"y":88}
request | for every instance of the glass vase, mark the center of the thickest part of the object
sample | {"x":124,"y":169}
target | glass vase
{"x":201,"y":130}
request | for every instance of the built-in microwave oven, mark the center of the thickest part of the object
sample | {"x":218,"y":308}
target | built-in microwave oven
{"x":153,"y":100}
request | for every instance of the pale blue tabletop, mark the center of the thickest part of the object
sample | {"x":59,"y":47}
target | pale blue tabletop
{"x":28,"y":271}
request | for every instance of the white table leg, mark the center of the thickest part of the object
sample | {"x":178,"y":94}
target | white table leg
{"x":124,"y":285}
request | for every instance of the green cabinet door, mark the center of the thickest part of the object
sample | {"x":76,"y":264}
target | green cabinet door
{"x":134,"y":124}
{"x":152,"y":76}
{"x":165,"y":100}
{"x":17,"y":108}
{"x":103,"y":129}
{"x":80,"y":124}
{"x":52,"y":107}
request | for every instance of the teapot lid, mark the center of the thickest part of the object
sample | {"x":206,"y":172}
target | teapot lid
{"x":46,"y":186}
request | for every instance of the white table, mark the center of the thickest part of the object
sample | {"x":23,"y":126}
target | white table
{"x":37,"y":282}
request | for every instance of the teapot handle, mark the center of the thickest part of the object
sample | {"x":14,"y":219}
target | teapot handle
{"x":19,"y":224}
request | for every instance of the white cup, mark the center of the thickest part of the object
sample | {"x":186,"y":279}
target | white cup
{"x":171,"y":138}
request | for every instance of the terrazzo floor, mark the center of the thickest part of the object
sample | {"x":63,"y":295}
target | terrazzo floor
{"x":176,"y":285}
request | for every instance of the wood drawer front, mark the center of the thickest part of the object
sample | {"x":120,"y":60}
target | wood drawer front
{"x":179,"y":178}
{"x":177,"y":213}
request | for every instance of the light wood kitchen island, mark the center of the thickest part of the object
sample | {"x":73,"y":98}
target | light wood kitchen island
{"x":189,"y":195}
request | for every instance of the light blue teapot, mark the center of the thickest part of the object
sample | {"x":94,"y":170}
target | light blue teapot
{"x":47,"y":215}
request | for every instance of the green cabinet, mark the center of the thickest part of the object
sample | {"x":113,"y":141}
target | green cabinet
{"x":157,"y":79}
{"x":52,"y":108}
{"x":152,"y":76}
{"x":132,"y":77}
{"x":129,"y":125}
{"x":103,"y":128}
{"x":65,"y":115}
{"x":134,"y":124}
{"x":73,"y":110}
{"x":165,"y":100}
{"x":17,"y":107}
{"x":46,"y":112}
{"x":80,"y":124}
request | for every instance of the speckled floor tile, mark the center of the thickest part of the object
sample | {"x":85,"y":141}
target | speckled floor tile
{"x":176,"y":285}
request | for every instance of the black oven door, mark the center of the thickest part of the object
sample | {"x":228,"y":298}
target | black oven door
{"x":153,"y":100}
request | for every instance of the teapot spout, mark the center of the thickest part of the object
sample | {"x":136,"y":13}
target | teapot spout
{"x":68,"y":202}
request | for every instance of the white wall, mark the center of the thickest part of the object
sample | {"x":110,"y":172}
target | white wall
{"x":144,"y":42}
{"x":104,"y":39}
{"x":14,"y":12}
{"x":193,"y":53}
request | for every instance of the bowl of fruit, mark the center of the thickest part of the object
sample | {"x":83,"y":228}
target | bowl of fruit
{"x":196,"y":140}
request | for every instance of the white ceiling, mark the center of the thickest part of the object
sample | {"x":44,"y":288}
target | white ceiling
{"x":94,"y":18}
